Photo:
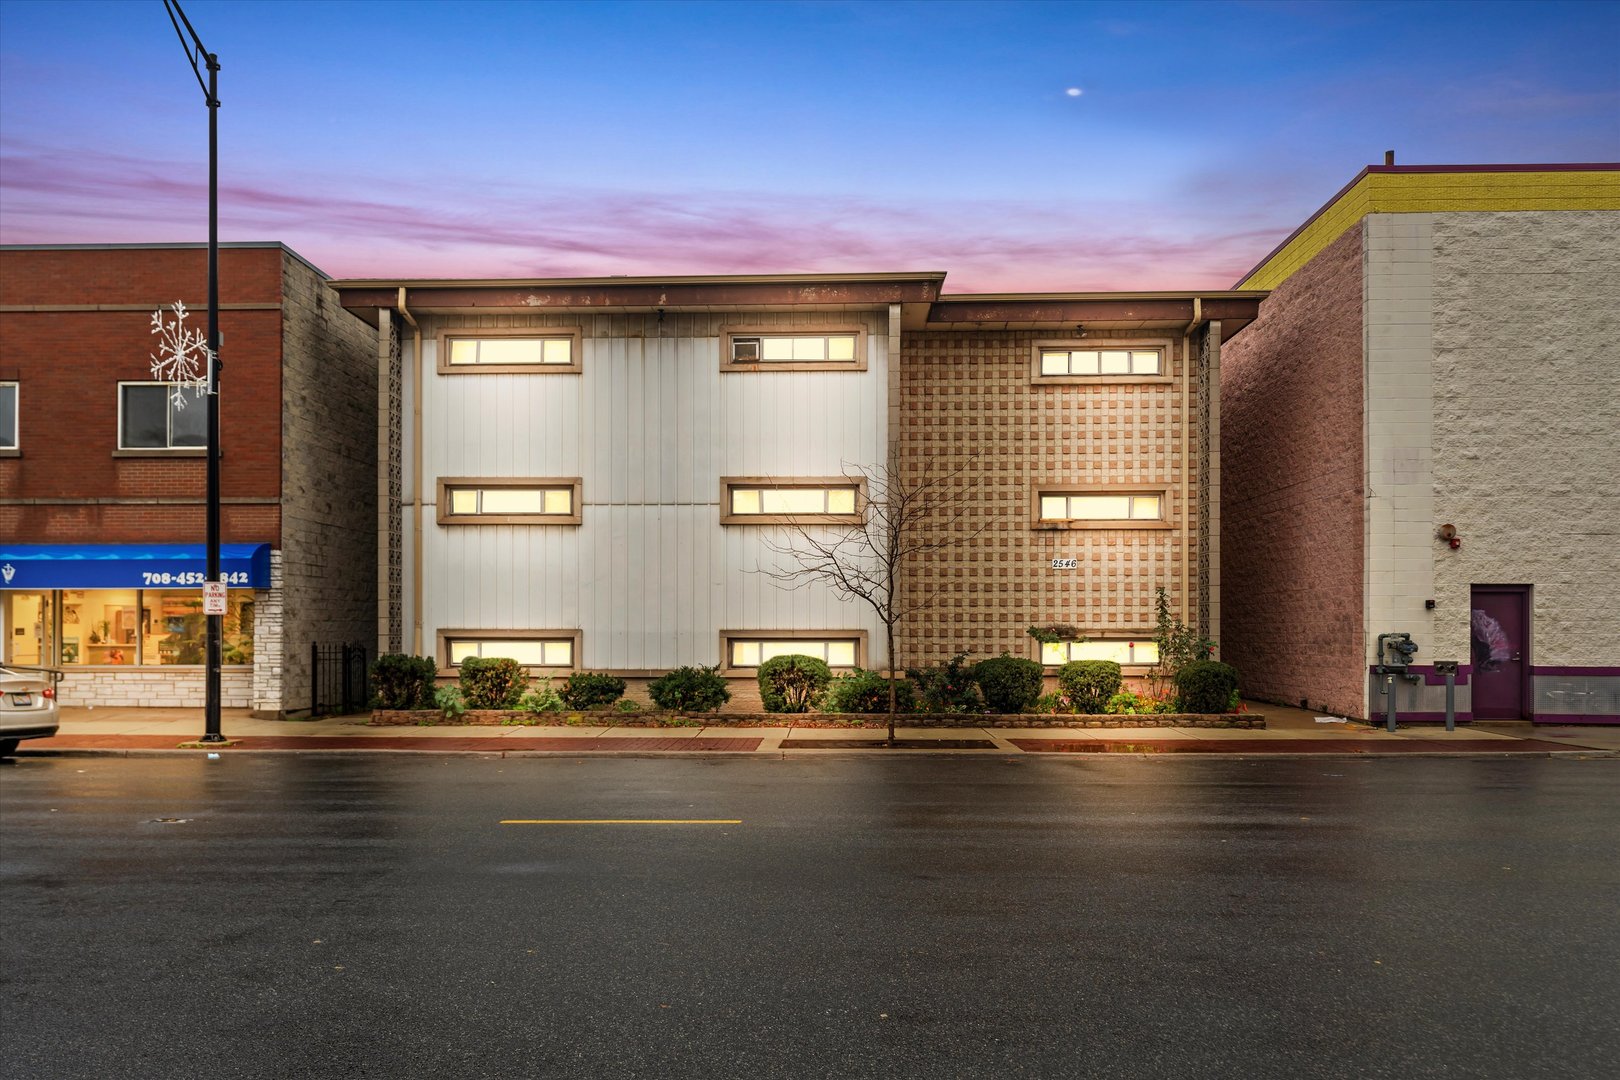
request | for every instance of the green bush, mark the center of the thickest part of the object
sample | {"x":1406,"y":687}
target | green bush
{"x":863,"y":691}
{"x":399,"y":681}
{"x":1127,"y":704}
{"x":794,"y":683}
{"x":1088,"y":684}
{"x":541,"y":697}
{"x":448,"y":700}
{"x":626,"y":705}
{"x":1205,"y":686}
{"x":585,"y":689}
{"x":947,"y":687}
{"x":492,"y":682}
{"x":690,"y":689}
{"x":1051,"y":704}
{"x":1010,"y":684}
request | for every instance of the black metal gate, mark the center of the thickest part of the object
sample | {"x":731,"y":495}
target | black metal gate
{"x":339,"y":682}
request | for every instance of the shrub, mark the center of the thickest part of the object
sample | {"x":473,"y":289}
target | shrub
{"x":399,"y":681}
{"x":1205,"y":686}
{"x":947,"y":687}
{"x":1088,"y":684}
{"x":1179,"y":644}
{"x":690,"y":689}
{"x":625,"y":705}
{"x":863,"y":691}
{"x":794,"y":683}
{"x":1128,"y":704}
{"x":448,"y":700}
{"x":585,"y":689}
{"x":541,"y":697}
{"x":492,"y":682}
{"x":1010,"y":683}
{"x":1048,"y":704}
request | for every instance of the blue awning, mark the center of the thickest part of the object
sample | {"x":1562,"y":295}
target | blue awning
{"x":129,"y":566}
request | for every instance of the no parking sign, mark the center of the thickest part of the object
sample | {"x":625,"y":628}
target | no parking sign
{"x":213,"y":598}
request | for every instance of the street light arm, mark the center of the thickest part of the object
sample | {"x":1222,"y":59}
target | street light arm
{"x":194,"y":49}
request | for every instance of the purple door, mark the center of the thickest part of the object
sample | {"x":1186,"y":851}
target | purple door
{"x":1501,"y":651}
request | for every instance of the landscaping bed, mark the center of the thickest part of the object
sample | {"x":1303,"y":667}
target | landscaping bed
{"x":614,"y":718}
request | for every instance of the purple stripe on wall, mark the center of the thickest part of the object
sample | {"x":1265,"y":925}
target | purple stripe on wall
{"x":1576,"y":718}
{"x":1598,"y":671}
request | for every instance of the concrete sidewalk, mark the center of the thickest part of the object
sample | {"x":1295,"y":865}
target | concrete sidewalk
{"x":1288,"y":731}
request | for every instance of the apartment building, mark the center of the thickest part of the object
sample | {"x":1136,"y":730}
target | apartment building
{"x":587,"y":474}
{"x":102,"y":474}
{"x":1422,"y":436}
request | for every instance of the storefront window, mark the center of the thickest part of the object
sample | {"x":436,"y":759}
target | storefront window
{"x":149,"y":627}
{"x":27,"y":628}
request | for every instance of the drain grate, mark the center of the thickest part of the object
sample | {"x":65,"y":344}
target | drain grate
{"x":879,"y":744}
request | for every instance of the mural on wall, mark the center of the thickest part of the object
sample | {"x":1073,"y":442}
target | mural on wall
{"x":1491,"y":647}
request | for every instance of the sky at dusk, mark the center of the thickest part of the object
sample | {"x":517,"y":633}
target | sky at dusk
{"x":1017,"y":146}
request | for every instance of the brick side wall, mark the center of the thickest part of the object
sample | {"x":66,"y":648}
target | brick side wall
{"x":1526,"y":443}
{"x":969,"y":404}
{"x":329,"y":477}
{"x":1292,"y":489}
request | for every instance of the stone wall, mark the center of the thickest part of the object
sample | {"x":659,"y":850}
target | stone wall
{"x":329,"y":477}
{"x":969,"y":405}
{"x":1292,"y":490}
{"x":268,"y":651}
{"x":157,"y":687}
{"x":1526,"y":435}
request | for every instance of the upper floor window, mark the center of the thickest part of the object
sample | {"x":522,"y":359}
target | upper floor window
{"x":509,"y":501}
{"x":10,"y":417}
{"x":1102,"y":361}
{"x":152,"y":416}
{"x":540,"y":349}
{"x":528,"y":648}
{"x":841,"y":348}
{"x":747,"y":501}
{"x":744,"y":650}
{"x":1100,"y":509}
{"x":1120,"y":652}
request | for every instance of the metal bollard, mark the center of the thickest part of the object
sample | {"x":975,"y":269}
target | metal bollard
{"x":1389,"y":689}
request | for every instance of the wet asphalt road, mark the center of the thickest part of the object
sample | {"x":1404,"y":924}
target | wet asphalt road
{"x":368,"y":916}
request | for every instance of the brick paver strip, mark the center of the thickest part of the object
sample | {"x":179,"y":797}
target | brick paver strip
{"x":1288,"y":746}
{"x":384,"y":742}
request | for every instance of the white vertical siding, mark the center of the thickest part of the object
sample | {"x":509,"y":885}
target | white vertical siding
{"x":651,"y":424}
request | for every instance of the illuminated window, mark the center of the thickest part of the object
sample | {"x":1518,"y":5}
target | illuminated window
{"x":535,"y":651}
{"x":518,"y":351}
{"x":152,"y":416}
{"x":509,"y":501}
{"x":1101,"y":507}
{"x":751,"y":350}
{"x":1063,"y":361}
{"x":1120,"y":652}
{"x":746,"y":501}
{"x":745,"y":651}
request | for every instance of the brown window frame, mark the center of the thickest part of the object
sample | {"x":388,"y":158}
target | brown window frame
{"x":859,"y":637}
{"x":542,"y":333}
{"x":728,"y":483}
{"x":728,"y":334}
{"x":1162,"y":491}
{"x":446,"y":483}
{"x":1101,"y":635}
{"x":448,"y":666}
{"x":1165,"y":347}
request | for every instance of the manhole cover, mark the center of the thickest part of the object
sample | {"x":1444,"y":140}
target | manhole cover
{"x":879,"y":744}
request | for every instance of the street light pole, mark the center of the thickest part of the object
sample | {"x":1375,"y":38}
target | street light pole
{"x":216,"y":623}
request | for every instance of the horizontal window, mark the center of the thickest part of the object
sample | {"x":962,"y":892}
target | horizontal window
{"x":509,"y":501}
{"x":9,"y":416}
{"x":1101,"y":507}
{"x":496,"y":351}
{"x":756,"y":350}
{"x":748,"y":652}
{"x":764,"y":502}
{"x":1102,"y":361}
{"x":536,"y":650}
{"x":160,"y":416}
{"x":1120,"y":652}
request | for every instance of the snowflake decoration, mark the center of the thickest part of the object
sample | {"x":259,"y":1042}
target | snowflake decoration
{"x":183,"y":357}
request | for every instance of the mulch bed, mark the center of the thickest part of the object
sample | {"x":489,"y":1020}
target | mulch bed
{"x":609,"y":718}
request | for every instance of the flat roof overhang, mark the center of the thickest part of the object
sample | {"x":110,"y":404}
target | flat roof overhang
{"x":643,"y":295}
{"x":1061,"y":312}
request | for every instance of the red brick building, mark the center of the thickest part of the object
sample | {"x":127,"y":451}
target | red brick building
{"x":102,"y":472}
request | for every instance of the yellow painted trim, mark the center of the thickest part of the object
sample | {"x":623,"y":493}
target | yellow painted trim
{"x":1436,"y":192}
{"x":623,"y":821}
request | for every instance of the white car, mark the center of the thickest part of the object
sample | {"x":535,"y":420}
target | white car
{"x":27,"y":708}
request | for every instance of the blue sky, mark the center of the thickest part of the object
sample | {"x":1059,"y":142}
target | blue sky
{"x":494,"y":139}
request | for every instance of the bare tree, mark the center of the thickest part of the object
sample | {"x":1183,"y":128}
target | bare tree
{"x":906,"y":514}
